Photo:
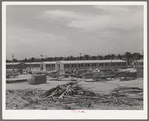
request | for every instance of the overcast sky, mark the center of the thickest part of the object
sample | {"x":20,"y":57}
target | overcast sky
{"x":69,"y":30}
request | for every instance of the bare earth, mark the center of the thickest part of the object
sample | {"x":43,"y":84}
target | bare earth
{"x":16,"y":90}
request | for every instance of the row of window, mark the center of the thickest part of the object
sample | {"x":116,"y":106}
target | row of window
{"x":10,"y":66}
{"x":93,"y":65}
{"x":138,"y":64}
{"x":50,"y":65}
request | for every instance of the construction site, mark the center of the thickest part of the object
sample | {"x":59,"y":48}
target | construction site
{"x":75,"y":85}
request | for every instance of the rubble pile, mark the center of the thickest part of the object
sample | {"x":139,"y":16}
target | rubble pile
{"x":22,"y":99}
{"x":72,"y":96}
{"x":127,"y":95}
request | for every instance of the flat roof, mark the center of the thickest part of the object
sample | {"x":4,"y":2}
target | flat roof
{"x":16,"y":63}
{"x":50,"y":62}
{"x":33,"y":63}
{"x":140,"y":60}
{"x":12,"y":63}
{"x":93,"y":61}
{"x":69,"y":62}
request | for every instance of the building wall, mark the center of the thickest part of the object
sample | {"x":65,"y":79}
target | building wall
{"x":49,"y":67}
{"x":63,"y":66}
{"x":94,"y":66}
{"x":16,"y":66}
{"x":35,"y":67}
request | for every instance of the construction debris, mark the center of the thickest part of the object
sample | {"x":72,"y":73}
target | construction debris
{"x":73,"y":93}
{"x":37,"y":79}
{"x":10,"y":73}
{"x":72,"y":96}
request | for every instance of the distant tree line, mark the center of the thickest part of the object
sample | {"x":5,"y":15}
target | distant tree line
{"x":127,"y":56}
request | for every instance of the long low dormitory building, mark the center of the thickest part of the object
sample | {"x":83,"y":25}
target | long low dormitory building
{"x":63,"y":65}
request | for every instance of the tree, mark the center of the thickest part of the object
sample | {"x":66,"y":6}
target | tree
{"x":94,"y":57}
{"x":25,"y":60}
{"x":71,"y":57}
{"x":128,"y":56}
{"x":15,"y":60}
{"x":119,"y":56}
{"x":100,"y":57}
{"x":32,"y":59}
{"x":7,"y":61}
{"x":87,"y":57}
{"x":112,"y":56}
{"x":136,"y":56}
{"x":107,"y":57}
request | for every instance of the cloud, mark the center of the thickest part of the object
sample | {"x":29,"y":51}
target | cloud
{"x":62,"y":13}
{"x":123,"y":17}
{"x":33,"y":42}
{"x":113,"y":8}
{"x":119,"y":17}
{"x":71,"y":30}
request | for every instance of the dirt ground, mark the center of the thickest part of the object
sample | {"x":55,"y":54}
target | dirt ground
{"x":17,"y":91}
{"x":97,"y":86}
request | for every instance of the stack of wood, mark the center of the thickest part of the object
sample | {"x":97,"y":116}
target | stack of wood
{"x":74,"y":95}
{"x":127,"y":95}
{"x":37,"y":79}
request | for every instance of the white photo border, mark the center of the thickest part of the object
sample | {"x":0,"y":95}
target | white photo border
{"x":67,"y":114}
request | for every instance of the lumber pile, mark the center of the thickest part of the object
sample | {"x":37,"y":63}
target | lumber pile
{"x":127,"y":95}
{"x":71,"y":96}
{"x":10,"y":73}
{"x":74,"y":95}
{"x":87,"y":76}
{"x":37,"y":79}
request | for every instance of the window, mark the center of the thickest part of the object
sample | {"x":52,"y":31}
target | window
{"x":82,"y":65}
{"x":93,"y":64}
{"x":105,"y":64}
{"x":65,"y":65}
{"x":101,"y":64}
{"x":123,"y":63}
{"x":118,"y":64}
{"x":88,"y":65}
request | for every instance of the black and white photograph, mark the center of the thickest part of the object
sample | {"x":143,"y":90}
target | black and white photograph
{"x":74,"y":59}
